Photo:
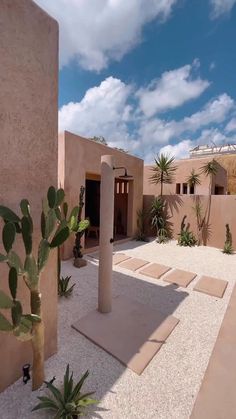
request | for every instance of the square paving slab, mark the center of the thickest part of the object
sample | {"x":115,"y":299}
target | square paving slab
{"x":179,"y":277}
{"x":211,"y":286}
{"x":133,"y":264}
{"x":133,"y":332}
{"x":119,"y":257}
{"x":155,"y":270}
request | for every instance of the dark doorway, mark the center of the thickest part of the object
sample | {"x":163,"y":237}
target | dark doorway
{"x":121,"y":207}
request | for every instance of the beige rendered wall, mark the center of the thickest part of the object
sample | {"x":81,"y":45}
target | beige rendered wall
{"x":184,"y":168}
{"x":28,"y":158}
{"x":79,"y":156}
{"x":223,"y":211}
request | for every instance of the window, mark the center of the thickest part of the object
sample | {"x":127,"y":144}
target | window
{"x":185,"y":188}
{"x":191,"y":190}
{"x":177,"y":188}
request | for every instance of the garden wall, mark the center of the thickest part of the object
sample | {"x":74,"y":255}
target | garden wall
{"x":222,"y":211}
{"x":28,"y":158}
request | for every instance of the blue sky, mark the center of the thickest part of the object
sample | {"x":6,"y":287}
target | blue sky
{"x":149,"y":75}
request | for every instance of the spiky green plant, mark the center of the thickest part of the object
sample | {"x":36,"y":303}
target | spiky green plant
{"x":228,"y":246}
{"x":210,"y":170}
{"x":186,"y":237}
{"x":68,"y":403}
{"x":193,"y":179}
{"x":159,"y":219}
{"x":84,"y":224}
{"x":55,"y":229}
{"x":63,"y":286}
{"x":163,"y":170}
{"x":140,"y":234}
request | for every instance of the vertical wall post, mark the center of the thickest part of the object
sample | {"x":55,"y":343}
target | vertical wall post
{"x":106,"y":234}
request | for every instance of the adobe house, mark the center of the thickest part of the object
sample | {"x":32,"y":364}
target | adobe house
{"x":180,"y":186}
{"x":79,"y":164}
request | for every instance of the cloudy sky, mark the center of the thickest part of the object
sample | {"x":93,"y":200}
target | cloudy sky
{"x":149,"y":75}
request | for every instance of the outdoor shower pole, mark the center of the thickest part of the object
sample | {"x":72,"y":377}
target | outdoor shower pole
{"x":106,"y":234}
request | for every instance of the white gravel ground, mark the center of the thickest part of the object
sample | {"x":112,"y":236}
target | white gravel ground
{"x":169,"y":385}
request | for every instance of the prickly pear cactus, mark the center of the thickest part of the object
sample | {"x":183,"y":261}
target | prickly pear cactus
{"x":55,"y":229}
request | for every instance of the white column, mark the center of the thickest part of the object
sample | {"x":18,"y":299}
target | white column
{"x":106,"y":234}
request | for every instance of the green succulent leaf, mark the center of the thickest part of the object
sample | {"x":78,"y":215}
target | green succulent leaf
{"x":8,"y":215}
{"x":15,"y":262}
{"x":3,"y":258}
{"x":33,"y":318}
{"x":60,"y":237}
{"x":27,"y":234}
{"x":8,"y":235}
{"x":50,"y":223}
{"x":16,"y":313}
{"x":12,"y":281}
{"x":60,"y":197}
{"x":5,"y":301}
{"x":72,"y":224}
{"x":52,"y":197}
{"x":5,"y":325}
{"x":58,"y":214}
{"x":25,"y":207}
{"x":65,"y":209}
{"x":23,"y":330}
{"x":83,"y":225}
{"x":43,"y":254}
{"x":31,"y":270}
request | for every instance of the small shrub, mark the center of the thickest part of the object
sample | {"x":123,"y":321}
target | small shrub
{"x":63,"y":286}
{"x":69,"y":402}
{"x":228,"y":247}
{"x":186,"y":237}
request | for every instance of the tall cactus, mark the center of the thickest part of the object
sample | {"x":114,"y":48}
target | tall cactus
{"x":83,"y":225}
{"x":55,"y":229}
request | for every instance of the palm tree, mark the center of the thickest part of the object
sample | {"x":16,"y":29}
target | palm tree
{"x":193,"y":179}
{"x":164,"y":170}
{"x":210,"y":169}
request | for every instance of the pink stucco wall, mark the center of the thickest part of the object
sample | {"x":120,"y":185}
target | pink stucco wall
{"x":184,"y":168}
{"x":79,"y":157}
{"x":28,"y":158}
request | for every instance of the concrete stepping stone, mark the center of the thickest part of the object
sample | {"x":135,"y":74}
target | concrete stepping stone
{"x":132,"y":332}
{"x":133,"y":264}
{"x":211,"y":286}
{"x":155,"y":270}
{"x":120,"y":257}
{"x":180,"y":277}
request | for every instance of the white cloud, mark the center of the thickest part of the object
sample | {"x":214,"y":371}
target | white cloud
{"x":97,"y":31}
{"x":104,"y":110}
{"x":159,"y":131}
{"x":179,"y":150}
{"x":231,"y":126}
{"x":173,"y":89}
{"x":221,"y":7}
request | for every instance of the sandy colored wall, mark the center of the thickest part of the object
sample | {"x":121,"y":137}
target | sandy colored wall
{"x":223,"y":210}
{"x":78,"y":156}
{"x":28,"y":158}
{"x":184,"y":168}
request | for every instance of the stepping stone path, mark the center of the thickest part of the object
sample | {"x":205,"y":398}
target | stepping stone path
{"x":133,"y":264}
{"x":155,"y":270}
{"x":120,"y":257}
{"x":179,"y":277}
{"x":211,"y":286}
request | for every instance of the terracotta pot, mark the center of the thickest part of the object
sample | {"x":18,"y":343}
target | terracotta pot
{"x":79,"y":262}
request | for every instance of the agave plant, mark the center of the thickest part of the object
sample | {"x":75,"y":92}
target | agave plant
{"x":68,"y":403}
{"x":55,"y":229}
{"x":63,"y":286}
{"x":186,"y":237}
